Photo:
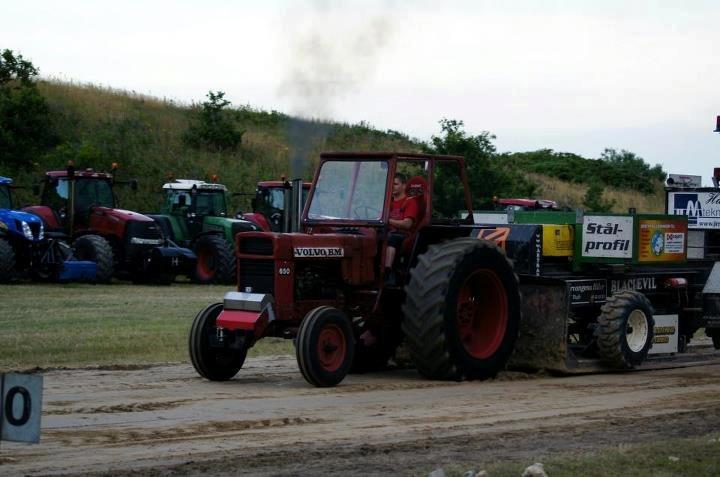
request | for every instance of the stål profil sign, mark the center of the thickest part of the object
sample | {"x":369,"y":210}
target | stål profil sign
{"x":20,"y":407}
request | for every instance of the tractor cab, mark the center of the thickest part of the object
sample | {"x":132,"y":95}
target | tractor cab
{"x":271,"y":201}
{"x":71,"y":197}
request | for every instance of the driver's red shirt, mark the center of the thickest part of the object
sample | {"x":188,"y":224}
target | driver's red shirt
{"x":405,"y":208}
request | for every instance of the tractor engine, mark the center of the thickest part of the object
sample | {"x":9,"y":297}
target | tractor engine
{"x":301,"y":271}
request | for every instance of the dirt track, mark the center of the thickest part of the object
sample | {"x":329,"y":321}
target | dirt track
{"x":166,"y":420}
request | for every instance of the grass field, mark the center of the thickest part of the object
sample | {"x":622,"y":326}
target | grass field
{"x":51,"y":325}
{"x":671,"y":457}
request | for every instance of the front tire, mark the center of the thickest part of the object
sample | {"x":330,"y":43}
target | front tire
{"x":8,"y":272}
{"x":213,"y":363}
{"x":626,"y":330}
{"x":462,"y":310}
{"x":325,"y":346}
{"x":215,"y":260}
{"x":96,"y":249}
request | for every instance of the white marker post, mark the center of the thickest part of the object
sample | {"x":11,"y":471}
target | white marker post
{"x":20,"y":407}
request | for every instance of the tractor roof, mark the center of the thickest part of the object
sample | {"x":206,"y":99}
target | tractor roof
{"x":5,"y":180}
{"x":81,"y":173}
{"x":353,"y":156}
{"x":188,"y":184}
{"x":278,"y":184}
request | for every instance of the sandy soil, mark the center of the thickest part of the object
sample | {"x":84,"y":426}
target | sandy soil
{"x":165,"y":420}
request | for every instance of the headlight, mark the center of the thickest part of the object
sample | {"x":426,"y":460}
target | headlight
{"x":41,"y":234}
{"x":142,"y":241}
{"x":26,"y":230}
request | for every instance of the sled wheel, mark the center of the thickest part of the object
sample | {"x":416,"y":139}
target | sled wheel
{"x":462,"y":310}
{"x":325,"y":346}
{"x":626,"y":330}
{"x":212,"y":362}
{"x":215,"y":260}
{"x":95,"y":249}
{"x":8,"y":271}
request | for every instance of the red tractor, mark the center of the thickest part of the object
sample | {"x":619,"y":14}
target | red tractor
{"x":82,"y":205}
{"x":455,"y":302}
{"x":269,"y":205}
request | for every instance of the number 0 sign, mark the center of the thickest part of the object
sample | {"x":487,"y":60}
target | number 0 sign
{"x":20,"y":407}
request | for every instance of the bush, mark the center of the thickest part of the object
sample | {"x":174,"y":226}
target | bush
{"x":25,"y":128}
{"x":215,"y":127}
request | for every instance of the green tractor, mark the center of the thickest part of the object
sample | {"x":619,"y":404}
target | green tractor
{"x":195,"y":215}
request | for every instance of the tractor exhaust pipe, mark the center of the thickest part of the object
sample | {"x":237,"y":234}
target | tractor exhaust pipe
{"x":297,"y":205}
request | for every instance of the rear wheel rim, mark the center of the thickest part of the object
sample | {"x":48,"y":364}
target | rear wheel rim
{"x":205,"y":264}
{"x":482,"y":313}
{"x":331,"y":348}
{"x":636,"y":331}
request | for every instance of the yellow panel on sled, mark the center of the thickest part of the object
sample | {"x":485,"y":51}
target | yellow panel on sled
{"x":557,"y":240}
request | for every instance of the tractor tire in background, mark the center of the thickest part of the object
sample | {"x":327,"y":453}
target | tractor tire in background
{"x":215,"y":364}
{"x":462,"y":310}
{"x":325,"y":346}
{"x":96,"y":249}
{"x":625,"y":330}
{"x":8,"y":272}
{"x":715,"y":336}
{"x":215,"y":260}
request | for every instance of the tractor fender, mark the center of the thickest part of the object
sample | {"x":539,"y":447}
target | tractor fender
{"x":258,"y":219}
{"x":251,"y":312}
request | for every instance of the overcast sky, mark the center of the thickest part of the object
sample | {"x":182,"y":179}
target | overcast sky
{"x":574,"y":76}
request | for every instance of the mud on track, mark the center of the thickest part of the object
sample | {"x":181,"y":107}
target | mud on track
{"x":166,"y":420}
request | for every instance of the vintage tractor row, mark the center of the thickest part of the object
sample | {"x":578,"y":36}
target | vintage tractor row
{"x":82,"y":206}
{"x":615,"y":287}
{"x":26,"y":248}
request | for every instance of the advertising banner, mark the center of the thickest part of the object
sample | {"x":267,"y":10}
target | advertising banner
{"x":662,"y":240}
{"x":606,"y":236}
{"x":701,"y":208}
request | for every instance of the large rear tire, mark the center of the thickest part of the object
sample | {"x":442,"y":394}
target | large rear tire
{"x":8,"y":272}
{"x":325,"y":346}
{"x":462,"y":310}
{"x":213,"y":363}
{"x":96,"y":249}
{"x":215,"y":260}
{"x":626,"y":330}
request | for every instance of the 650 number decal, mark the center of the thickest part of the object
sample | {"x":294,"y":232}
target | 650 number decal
{"x":284,"y":271}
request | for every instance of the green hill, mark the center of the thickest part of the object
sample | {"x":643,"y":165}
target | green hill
{"x":95,"y":126}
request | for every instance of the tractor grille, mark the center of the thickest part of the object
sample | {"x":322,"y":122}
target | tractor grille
{"x":148,"y":234}
{"x":259,"y":275}
{"x":256,"y":246}
{"x":35,"y":229}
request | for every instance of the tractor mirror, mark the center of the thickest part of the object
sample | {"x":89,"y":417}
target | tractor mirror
{"x":253,"y":203}
{"x":134,"y":184}
{"x":182,"y":202}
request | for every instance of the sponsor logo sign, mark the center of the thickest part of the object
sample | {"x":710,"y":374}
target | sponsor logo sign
{"x":607,"y":236}
{"x":701,"y":208}
{"x":587,"y":291}
{"x":666,"y":334}
{"x":662,"y":240}
{"x":637,"y":284}
{"x":318,"y":252}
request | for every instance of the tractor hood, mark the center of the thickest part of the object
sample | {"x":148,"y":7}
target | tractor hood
{"x":21,"y":223}
{"x":120,"y":215}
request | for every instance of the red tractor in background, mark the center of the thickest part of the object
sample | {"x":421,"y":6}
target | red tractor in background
{"x":324,"y":286}
{"x":82,"y":205}
{"x":270,"y":204}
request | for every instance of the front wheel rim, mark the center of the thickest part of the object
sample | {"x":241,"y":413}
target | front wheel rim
{"x":636,"y":331}
{"x":331,"y":348}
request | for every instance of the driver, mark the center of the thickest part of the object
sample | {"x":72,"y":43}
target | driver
{"x":404,"y":213}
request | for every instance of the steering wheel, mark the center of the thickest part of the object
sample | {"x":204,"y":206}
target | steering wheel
{"x":369,"y":212}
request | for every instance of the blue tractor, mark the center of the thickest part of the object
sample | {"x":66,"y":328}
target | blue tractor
{"x":27,"y":249}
